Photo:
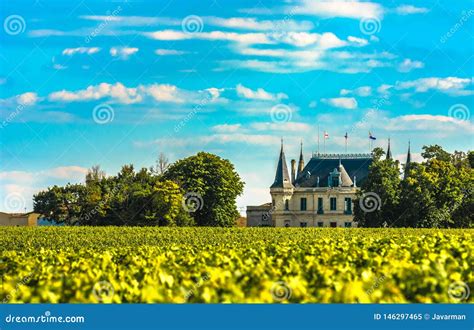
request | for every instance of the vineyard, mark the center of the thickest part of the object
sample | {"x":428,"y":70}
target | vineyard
{"x":211,"y":265}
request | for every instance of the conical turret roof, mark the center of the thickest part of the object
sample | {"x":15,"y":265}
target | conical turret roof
{"x":282,"y":178}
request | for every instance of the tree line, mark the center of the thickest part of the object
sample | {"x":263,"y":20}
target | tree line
{"x":437,"y":192}
{"x":196,"y":191}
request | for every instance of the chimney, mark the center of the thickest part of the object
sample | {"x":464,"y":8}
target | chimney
{"x":355,"y":183}
{"x":293,"y":171}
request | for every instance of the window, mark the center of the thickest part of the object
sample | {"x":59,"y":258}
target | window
{"x":333,"y":224}
{"x":320,"y":205}
{"x":333,"y":203}
{"x":303,"y":204}
{"x":335,"y":182}
{"x":287,"y":205}
{"x":320,"y":224}
{"x":265,"y":216}
{"x":303,"y":224}
{"x":348,"y":224}
{"x":287,"y":223}
{"x":347,"y":205}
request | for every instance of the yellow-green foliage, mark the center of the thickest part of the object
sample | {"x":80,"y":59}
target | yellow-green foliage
{"x":233,"y":265}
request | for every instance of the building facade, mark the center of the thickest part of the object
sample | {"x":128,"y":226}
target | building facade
{"x":18,"y":219}
{"x":320,"y":193}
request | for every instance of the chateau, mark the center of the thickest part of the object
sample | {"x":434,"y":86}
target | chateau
{"x":318,"y":194}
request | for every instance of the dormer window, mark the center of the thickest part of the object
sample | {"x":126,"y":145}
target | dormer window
{"x":334,"y":179}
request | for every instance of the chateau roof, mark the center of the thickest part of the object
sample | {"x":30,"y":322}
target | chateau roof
{"x":345,"y":178}
{"x":321,"y":165}
{"x":282,"y":178}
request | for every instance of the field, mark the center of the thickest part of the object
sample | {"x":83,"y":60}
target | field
{"x":178,"y":265}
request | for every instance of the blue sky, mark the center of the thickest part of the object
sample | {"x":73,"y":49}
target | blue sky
{"x":117,"y":82}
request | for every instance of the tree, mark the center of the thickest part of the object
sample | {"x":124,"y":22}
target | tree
{"x":162,"y":164}
{"x":211,"y":185}
{"x":61,"y":204}
{"x":129,"y":198}
{"x":376,"y":203}
{"x":438,"y":192}
{"x":95,"y":173}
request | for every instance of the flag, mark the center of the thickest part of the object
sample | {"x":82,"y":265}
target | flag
{"x":372,"y":137}
{"x":345,"y":136}
{"x":326,"y":135}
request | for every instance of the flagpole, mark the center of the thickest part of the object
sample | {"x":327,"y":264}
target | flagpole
{"x":345,"y":150}
{"x":318,"y":139}
{"x":324,"y":142}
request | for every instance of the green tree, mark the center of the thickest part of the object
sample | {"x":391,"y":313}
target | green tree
{"x":212,"y":184}
{"x":377,"y":201}
{"x":61,"y":204}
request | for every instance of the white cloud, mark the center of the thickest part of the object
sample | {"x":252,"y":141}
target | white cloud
{"x":28,"y":98}
{"x":165,"y":52}
{"x":409,"y":9}
{"x":117,"y":92}
{"x":407,"y":65}
{"x":338,"y":8}
{"x":81,"y":50}
{"x":250,"y":38}
{"x":164,"y":93}
{"x":259,"y":94}
{"x":286,"y":126}
{"x":360,"y":91}
{"x":126,"y":95}
{"x":427,"y":122}
{"x":123,"y":52}
{"x":227,"y":128}
{"x":450,"y":85}
{"x":22,"y":185}
{"x":249,"y":23}
{"x":341,"y":102}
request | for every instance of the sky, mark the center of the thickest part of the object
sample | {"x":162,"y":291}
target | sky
{"x":117,"y":82}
